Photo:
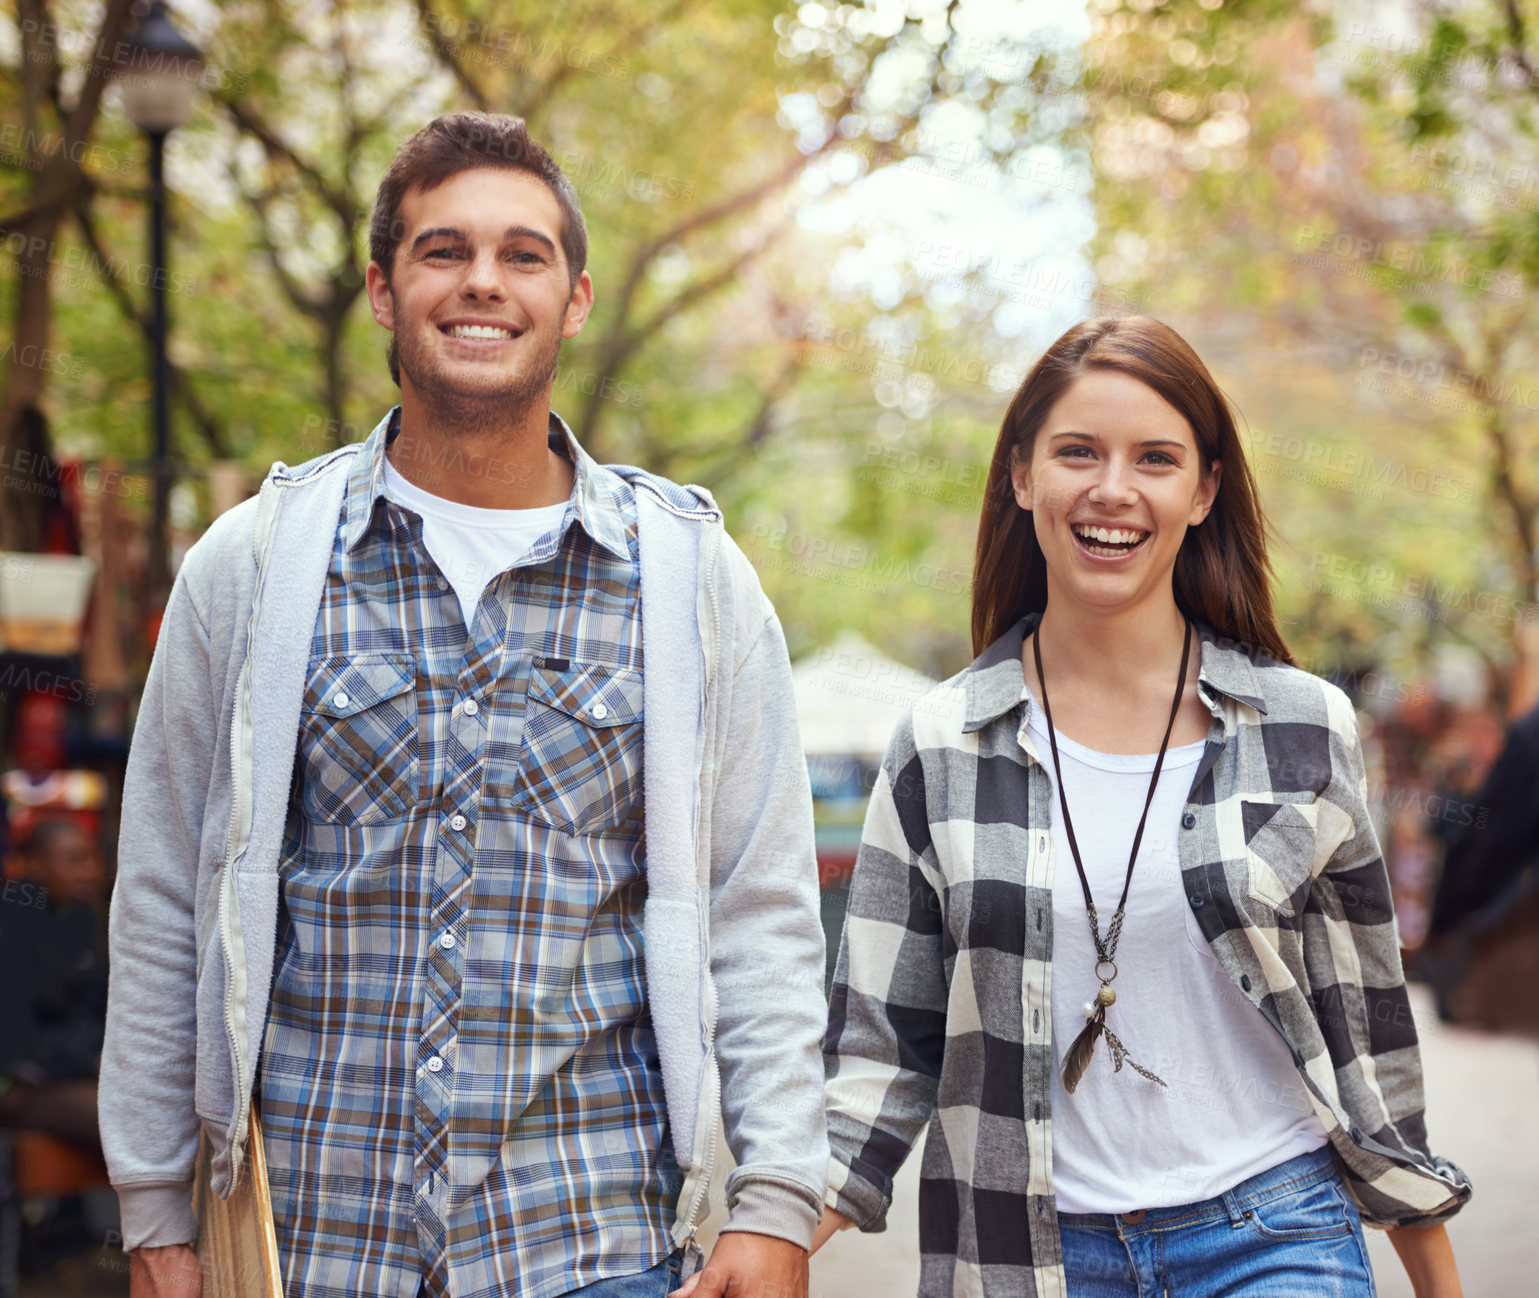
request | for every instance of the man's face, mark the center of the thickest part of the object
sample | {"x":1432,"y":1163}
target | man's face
{"x":480,"y":297}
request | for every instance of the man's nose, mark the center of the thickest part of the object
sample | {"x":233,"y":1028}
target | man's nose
{"x":483,"y":278}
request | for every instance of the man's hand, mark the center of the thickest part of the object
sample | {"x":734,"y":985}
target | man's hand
{"x":745,"y":1265}
{"x":169,"y":1272}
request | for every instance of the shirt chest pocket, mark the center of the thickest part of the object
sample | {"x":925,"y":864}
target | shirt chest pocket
{"x":358,"y":739}
{"x":579,"y":766}
{"x":1287,"y":844}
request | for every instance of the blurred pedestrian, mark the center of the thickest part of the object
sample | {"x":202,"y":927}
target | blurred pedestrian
{"x":54,"y":981}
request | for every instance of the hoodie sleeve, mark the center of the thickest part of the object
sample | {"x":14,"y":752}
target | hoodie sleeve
{"x":149,"y":1126}
{"x":767,"y":952}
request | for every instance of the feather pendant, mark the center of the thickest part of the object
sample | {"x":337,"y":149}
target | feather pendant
{"x":1077,"y":1058}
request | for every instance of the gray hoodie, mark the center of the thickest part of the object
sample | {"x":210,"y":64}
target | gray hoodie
{"x":734,"y":947}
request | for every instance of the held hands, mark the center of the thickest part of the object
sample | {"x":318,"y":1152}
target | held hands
{"x":833,"y":1222}
{"x":746,"y":1265}
{"x":169,"y":1272}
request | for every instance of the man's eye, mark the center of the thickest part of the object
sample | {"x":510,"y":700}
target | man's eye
{"x":443,"y":253}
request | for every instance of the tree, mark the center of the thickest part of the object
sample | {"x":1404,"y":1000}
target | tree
{"x":56,"y":130}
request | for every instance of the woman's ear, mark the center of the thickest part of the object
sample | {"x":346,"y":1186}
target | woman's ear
{"x":1207,"y":493}
{"x":1020,"y":478}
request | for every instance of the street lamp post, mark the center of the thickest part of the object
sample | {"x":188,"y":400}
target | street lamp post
{"x":158,"y":86}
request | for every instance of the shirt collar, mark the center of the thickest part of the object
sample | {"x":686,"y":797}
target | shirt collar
{"x":996,"y":680}
{"x":592,"y":504}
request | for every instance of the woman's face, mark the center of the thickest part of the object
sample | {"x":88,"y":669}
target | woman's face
{"x":1113,"y":482}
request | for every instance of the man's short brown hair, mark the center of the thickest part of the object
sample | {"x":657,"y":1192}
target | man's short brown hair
{"x":459,"y":142}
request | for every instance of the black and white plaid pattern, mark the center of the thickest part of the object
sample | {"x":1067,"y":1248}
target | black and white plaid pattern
{"x":939,"y":1015}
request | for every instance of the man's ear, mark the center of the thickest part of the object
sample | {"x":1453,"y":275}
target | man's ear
{"x":1207,"y":493}
{"x":381,"y":300}
{"x":577,"y":309}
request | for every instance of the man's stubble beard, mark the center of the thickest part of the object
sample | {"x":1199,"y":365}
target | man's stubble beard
{"x":474,"y":410}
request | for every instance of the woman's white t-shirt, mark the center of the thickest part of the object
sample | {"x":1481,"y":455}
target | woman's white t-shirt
{"x":471,"y":545}
{"x":1233,"y":1104}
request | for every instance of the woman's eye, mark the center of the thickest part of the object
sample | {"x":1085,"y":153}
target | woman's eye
{"x":1159,"y":457}
{"x":1074,"y":452}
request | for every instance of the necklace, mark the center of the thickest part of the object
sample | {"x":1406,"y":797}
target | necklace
{"x":1077,"y":1059}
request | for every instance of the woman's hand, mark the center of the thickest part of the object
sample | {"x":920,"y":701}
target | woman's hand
{"x":833,"y":1221}
{"x":1427,"y":1255}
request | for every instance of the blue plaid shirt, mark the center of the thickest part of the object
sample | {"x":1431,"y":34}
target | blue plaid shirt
{"x":460,"y":1086}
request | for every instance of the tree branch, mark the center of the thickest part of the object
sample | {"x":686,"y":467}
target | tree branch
{"x":207,"y":424}
{"x":444,"y":49}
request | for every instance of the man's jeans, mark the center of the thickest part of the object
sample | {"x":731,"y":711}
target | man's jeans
{"x":1284,"y":1233}
{"x":659,"y":1282}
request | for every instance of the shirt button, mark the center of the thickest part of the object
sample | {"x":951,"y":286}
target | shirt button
{"x":442,"y":584}
{"x":447,"y":941}
{"x":1196,"y":900}
{"x":457,"y":822}
{"x":1188,"y":820}
{"x":599,"y":711}
{"x":435,"y":1064}
{"x":1245,"y":982}
{"x":471,"y":707}
{"x":340,"y":699}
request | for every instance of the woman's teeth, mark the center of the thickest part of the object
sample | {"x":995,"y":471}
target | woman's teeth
{"x":1109,"y":542}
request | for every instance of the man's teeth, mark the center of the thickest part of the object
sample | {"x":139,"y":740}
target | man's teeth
{"x":479,"y":331}
{"x":1108,"y":536}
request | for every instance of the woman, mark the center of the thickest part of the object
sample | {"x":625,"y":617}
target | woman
{"x":1130,"y":833}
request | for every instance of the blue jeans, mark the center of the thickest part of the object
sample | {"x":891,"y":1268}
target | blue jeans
{"x":659,"y":1282}
{"x":1284,"y":1233}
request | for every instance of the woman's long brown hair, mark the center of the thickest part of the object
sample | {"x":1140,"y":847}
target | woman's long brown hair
{"x":1222,"y":576}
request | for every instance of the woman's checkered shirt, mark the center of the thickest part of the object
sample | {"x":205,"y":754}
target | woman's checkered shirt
{"x":939,"y":1012}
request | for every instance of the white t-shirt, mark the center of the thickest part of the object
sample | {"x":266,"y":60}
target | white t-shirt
{"x":1233,"y":1104}
{"x":471,"y":545}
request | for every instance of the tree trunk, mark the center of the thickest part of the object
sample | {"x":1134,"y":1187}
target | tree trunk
{"x":24,"y":480}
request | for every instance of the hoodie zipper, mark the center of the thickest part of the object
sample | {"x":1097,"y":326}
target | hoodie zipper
{"x":713,"y":1075}
{"x":236,"y":842}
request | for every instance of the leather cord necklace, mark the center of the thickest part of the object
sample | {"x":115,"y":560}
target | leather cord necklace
{"x":1077,"y":1059}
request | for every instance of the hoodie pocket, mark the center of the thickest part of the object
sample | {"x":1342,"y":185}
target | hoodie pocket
{"x":358,"y":739}
{"x":579,"y":765}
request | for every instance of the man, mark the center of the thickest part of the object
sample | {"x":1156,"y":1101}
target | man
{"x":500,"y":1020}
